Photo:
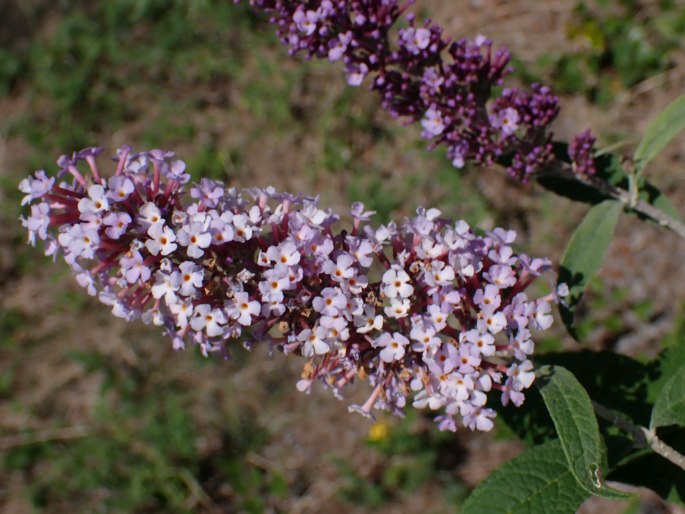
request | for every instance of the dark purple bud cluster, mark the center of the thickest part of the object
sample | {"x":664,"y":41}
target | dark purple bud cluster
{"x":451,"y":87}
{"x":581,"y":151}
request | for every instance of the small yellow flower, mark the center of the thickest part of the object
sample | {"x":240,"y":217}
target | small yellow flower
{"x":378,"y":431}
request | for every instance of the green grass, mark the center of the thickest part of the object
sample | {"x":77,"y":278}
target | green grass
{"x":613,"y":52}
{"x":413,"y":459}
{"x":84,"y":77}
{"x":139,"y":451}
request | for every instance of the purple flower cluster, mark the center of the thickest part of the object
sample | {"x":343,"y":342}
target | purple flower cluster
{"x":582,"y":154}
{"x":449,"y":86}
{"x":429,"y":313}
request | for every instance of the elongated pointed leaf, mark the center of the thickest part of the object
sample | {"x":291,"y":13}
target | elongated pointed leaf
{"x":669,"y":123}
{"x":624,"y":390}
{"x":585,"y":253}
{"x":669,"y":408}
{"x":669,"y":361}
{"x":651,"y":194}
{"x":538,"y":480}
{"x":574,"y":419}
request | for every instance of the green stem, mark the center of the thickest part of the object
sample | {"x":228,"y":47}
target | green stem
{"x":644,"y":437}
{"x":629,"y":199}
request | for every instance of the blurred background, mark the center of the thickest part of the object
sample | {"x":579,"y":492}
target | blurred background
{"x":97,"y":415}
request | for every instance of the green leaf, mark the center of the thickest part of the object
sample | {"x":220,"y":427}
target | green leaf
{"x":669,"y":360}
{"x":574,"y":419}
{"x":624,"y":390}
{"x":584,"y":255}
{"x":538,"y":480}
{"x":669,"y":408}
{"x":660,"y":132}
{"x":650,"y":194}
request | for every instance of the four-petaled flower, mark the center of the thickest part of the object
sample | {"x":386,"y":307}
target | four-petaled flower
{"x":161,"y":239}
{"x":393,"y":346}
{"x":208,"y":319}
{"x":243,"y":310}
{"x":396,"y":282}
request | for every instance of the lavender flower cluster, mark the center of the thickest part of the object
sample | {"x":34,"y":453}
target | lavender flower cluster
{"x":450,"y":86}
{"x":429,"y":312}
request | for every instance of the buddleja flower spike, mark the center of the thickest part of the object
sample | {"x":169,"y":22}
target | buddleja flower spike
{"x":429,"y":312}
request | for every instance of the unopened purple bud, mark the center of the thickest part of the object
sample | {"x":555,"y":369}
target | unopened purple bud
{"x":356,"y":73}
{"x":581,"y":151}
